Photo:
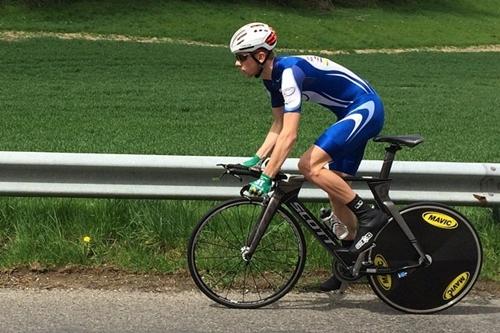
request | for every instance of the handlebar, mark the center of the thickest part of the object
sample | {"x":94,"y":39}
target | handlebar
{"x":238,"y":170}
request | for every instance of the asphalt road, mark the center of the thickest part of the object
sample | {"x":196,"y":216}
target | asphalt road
{"x":87,"y":310}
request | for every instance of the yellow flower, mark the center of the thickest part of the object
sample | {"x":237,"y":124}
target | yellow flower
{"x":86,"y":239}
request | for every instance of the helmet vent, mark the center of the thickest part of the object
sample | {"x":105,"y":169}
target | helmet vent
{"x":253,"y":36}
{"x":240,"y":36}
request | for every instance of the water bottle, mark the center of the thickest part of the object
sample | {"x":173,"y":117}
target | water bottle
{"x":339,"y":229}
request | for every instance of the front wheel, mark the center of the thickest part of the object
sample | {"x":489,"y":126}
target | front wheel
{"x":218,"y":263}
{"x":450,"y":243}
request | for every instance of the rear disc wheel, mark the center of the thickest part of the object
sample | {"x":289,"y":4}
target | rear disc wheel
{"x":454,"y":251}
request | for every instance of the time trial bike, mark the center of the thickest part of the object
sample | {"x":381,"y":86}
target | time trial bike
{"x":249,"y":252}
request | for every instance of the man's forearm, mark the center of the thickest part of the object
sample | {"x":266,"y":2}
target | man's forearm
{"x":284,"y":143}
{"x":267,"y":147}
{"x":282,"y":148}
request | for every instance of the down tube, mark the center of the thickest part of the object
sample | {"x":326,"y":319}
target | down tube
{"x":324,"y":236}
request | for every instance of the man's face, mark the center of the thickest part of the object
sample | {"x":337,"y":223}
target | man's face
{"x":246,"y":64}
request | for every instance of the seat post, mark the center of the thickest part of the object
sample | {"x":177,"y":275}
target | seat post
{"x":390,"y":152}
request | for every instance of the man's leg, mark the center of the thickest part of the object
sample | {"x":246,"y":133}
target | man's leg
{"x":344,"y":213}
{"x":311,"y":165}
{"x":349,"y":219}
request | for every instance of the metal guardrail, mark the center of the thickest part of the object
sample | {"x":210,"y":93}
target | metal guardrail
{"x":197,"y":177}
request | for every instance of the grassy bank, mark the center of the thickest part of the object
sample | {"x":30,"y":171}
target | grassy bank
{"x":140,"y":235}
{"x":81,"y":96}
{"x":376,"y":24}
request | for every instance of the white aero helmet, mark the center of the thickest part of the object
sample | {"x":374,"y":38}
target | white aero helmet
{"x":253,"y":36}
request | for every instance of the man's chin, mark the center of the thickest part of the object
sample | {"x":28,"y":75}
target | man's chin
{"x":246,"y":74}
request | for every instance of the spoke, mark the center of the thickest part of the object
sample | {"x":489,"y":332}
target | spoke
{"x":262,"y":274}
{"x":272,"y":271}
{"x":219,"y":236}
{"x":266,"y":247}
{"x":244,"y":282}
{"x":217,"y":254}
{"x":287,"y":240}
{"x":234,"y":248}
{"x":255,"y":282}
{"x":214,"y":268}
{"x":230,"y":257}
{"x":270,"y":260}
{"x":228,"y":226}
{"x":230,"y":285}
{"x":252,"y":222}
{"x":239,"y":224}
{"x":274,"y":226}
{"x":281,"y":239}
{"x":227,"y":273}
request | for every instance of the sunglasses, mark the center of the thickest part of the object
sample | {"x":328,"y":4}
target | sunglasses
{"x":242,"y":57}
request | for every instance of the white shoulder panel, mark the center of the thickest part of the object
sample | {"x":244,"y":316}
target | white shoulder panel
{"x":290,"y":91}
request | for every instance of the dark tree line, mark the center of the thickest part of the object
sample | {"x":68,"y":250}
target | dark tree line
{"x":313,"y":4}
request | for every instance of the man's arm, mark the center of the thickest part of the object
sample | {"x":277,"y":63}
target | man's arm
{"x":284,"y":143}
{"x":267,"y":147}
{"x":291,"y":85}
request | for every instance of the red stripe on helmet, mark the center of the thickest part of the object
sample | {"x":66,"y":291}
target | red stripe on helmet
{"x":272,"y":38}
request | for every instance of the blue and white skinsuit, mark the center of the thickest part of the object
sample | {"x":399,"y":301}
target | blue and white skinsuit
{"x":359,"y":110}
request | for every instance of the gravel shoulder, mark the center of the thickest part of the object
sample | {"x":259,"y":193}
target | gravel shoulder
{"x":108,"y":278}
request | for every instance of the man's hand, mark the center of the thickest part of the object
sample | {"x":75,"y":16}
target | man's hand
{"x":261,"y":186}
{"x":255,"y":160}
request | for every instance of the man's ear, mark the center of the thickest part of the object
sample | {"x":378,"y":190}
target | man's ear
{"x":261,"y":56}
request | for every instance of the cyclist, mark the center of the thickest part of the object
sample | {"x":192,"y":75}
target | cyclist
{"x":290,"y":80}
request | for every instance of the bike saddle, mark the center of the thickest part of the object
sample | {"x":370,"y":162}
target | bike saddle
{"x":405,"y":140}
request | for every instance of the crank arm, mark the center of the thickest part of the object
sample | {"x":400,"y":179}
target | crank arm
{"x":359,"y":261}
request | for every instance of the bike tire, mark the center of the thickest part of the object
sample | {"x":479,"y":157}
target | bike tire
{"x":453,"y":246}
{"x":215,"y":256}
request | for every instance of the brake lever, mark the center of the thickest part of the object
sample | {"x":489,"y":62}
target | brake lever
{"x":227,"y":172}
{"x":237,"y":177}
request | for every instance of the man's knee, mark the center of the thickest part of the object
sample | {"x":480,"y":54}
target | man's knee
{"x":304,"y":165}
{"x":312,"y":162}
{"x":308,"y":169}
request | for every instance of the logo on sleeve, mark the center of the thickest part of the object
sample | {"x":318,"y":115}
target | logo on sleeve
{"x":289,"y":91}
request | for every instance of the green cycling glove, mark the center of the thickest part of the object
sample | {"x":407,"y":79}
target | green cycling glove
{"x":261,"y":186}
{"x":255,"y":160}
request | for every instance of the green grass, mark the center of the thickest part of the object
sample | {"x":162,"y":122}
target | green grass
{"x":137,"y":235}
{"x":489,"y":234}
{"x":79,"y":96}
{"x":379,"y":24}
{"x":111,"y":97}
{"x":141,"y":235}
